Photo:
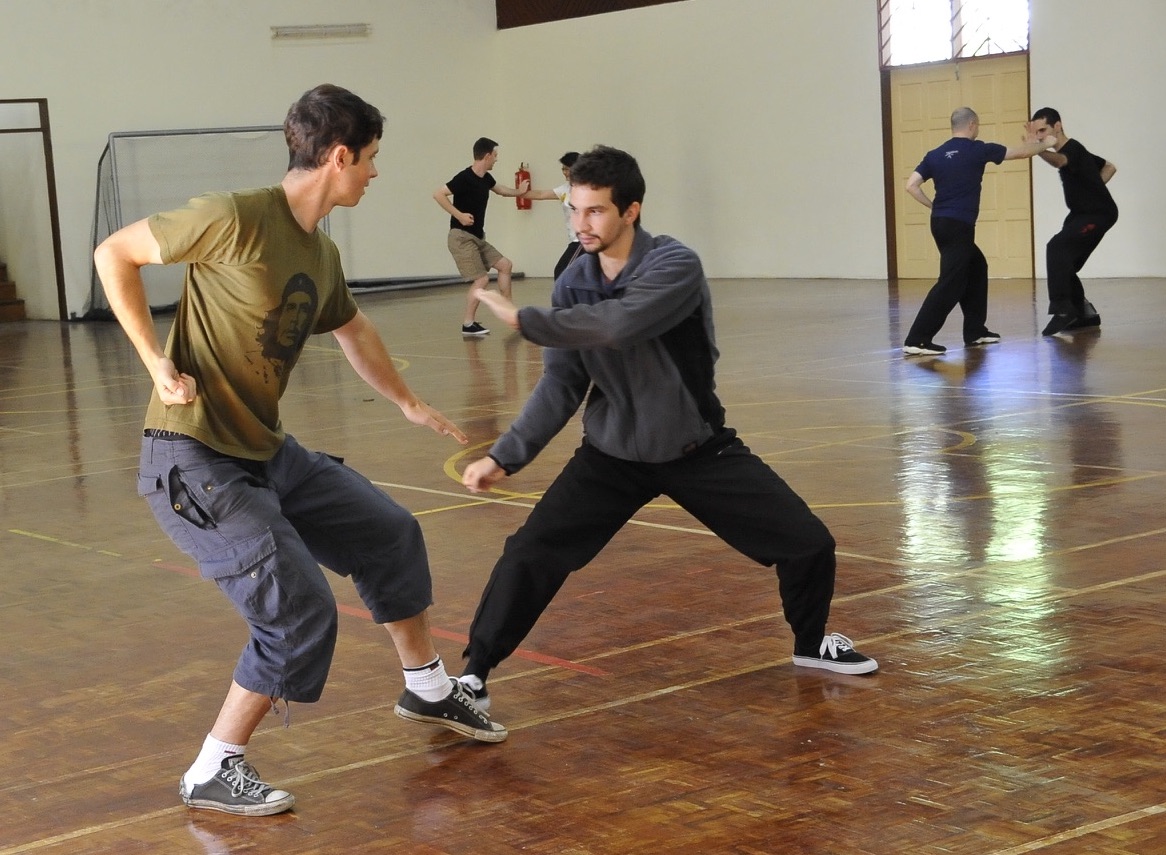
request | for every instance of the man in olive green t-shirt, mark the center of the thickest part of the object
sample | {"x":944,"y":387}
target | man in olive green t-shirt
{"x":255,"y":509}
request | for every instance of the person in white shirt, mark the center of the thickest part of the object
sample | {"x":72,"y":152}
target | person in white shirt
{"x":560,"y":193}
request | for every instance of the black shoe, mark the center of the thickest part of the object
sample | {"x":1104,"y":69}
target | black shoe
{"x":837,"y":654}
{"x":236,"y":789}
{"x":457,"y":712}
{"x":1059,"y":323}
{"x":924,"y":348}
{"x":1087,"y":318}
{"x":1085,"y":323}
{"x":474,"y":329}
{"x":481,"y":697}
{"x":986,"y":336}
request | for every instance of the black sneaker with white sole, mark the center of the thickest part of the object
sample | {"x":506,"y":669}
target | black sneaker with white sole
{"x":236,"y":788}
{"x":837,"y":654}
{"x":458,"y":712}
{"x":924,"y":348}
{"x":474,"y":329}
{"x":986,"y":336}
{"x":1086,"y":319}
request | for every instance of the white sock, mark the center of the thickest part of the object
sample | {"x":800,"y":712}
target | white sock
{"x":473,"y":681}
{"x":210,"y":760}
{"x":429,"y":682}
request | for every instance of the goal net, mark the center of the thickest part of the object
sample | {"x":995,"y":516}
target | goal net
{"x":143,"y":172}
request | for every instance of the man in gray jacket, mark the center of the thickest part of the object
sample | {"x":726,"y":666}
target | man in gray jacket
{"x":631,"y":330}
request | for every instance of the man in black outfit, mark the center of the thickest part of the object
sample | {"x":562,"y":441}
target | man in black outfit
{"x":1092,"y":213}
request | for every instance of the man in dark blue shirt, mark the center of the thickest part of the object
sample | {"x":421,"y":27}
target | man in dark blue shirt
{"x":957,"y":170}
{"x":1092,"y":213}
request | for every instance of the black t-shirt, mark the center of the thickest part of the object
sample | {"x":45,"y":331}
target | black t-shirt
{"x":470,"y":195}
{"x":1085,"y":192}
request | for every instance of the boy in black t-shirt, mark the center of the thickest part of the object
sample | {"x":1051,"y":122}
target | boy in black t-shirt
{"x":464,"y":198}
{"x":1092,"y":213}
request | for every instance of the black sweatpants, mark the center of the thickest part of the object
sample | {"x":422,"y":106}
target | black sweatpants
{"x":723,"y":484}
{"x":963,"y":280}
{"x":567,"y":257}
{"x":1065,"y":255}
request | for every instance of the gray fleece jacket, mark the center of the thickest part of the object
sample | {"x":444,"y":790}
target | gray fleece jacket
{"x":640,"y":349}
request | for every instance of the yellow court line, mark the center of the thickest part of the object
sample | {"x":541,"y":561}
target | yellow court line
{"x":41,"y":411}
{"x":1088,"y":399}
{"x":1125,"y":538}
{"x":1101,"y":482}
{"x":1083,"y":830}
{"x":70,"y":477}
{"x":522,"y":500}
{"x":1129,"y":398}
{"x":450,"y":466}
{"x":450,"y":469}
{"x":59,"y":542}
{"x":79,"y":833}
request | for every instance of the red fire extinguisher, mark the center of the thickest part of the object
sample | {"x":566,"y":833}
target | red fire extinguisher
{"x":523,"y":174}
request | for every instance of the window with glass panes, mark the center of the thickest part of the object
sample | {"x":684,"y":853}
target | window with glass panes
{"x":918,"y":31}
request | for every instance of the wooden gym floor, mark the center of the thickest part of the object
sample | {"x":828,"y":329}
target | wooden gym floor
{"x":999,"y":519}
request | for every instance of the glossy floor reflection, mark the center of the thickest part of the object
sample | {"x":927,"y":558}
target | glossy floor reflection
{"x":998,"y":515}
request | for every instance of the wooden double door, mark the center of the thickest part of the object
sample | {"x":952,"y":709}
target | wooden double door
{"x":922,"y":99}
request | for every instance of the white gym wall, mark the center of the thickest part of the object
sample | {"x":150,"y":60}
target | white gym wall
{"x":757,"y":122}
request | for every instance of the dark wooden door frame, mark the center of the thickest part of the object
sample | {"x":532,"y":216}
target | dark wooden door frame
{"x":51,"y":179}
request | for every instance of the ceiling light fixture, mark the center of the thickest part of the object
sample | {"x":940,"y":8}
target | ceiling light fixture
{"x":322,"y":31}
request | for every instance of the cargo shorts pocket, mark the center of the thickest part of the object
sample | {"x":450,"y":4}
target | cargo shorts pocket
{"x":183,"y":500}
{"x":179,"y":495}
{"x":245,"y":572}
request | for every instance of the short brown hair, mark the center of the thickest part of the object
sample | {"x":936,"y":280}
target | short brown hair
{"x":324,"y":117}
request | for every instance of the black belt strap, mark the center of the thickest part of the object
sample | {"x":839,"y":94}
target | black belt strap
{"x":155,"y":433}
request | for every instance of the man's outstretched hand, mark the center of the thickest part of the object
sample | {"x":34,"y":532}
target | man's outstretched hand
{"x":482,"y":474}
{"x":502,"y":307}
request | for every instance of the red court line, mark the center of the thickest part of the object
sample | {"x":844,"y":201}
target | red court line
{"x":364,"y":614}
{"x":178,"y":568}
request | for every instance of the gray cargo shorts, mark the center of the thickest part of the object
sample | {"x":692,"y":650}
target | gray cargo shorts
{"x":261,"y":531}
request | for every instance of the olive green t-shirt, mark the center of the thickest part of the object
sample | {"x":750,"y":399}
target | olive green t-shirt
{"x":256,"y":287}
